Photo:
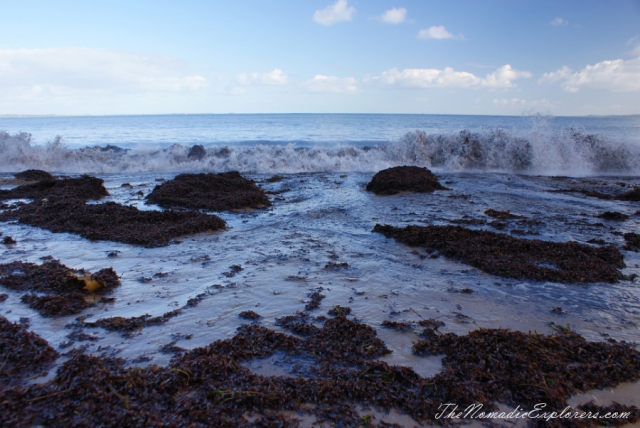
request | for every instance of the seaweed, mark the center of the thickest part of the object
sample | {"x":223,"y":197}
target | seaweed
{"x":22,"y":353}
{"x":33,"y":175}
{"x":114,"y":222}
{"x":209,"y":386}
{"x":404,"y":179}
{"x":66,"y":292}
{"x":510,"y":257}
{"x":213,"y":192}
{"x":81,"y":188}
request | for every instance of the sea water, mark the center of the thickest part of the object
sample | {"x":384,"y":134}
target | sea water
{"x":322,"y":213}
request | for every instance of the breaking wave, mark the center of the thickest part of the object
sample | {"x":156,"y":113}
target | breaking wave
{"x":541,"y":151}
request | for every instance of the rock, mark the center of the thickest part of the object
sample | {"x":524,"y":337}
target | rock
{"x":197,"y":152}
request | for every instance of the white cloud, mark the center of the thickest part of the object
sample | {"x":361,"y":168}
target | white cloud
{"x":332,"y":14}
{"x":274,"y":77}
{"x":59,"y":70}
{"x":436,"y":32}
{"x":449,"y":78}
{"x":615,"y":75}
{"x":394,"y":16}
{"x":557,"y":22}
{"x":331,"y":84}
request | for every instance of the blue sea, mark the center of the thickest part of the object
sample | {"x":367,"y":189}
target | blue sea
{"x":289,"y":143}
{"x":321,"y":213}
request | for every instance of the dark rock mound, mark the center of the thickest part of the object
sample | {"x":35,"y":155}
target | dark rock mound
{"x":404,"y":179}
{"x":34,"y":175}
{"x":114,"y":222}
{"x":23,"y":353}
{"x":510,"y":257}
{"x":631,"y":195}
{"x":214,"y":192}
{"x":501,"y":215}
{"x":632,"y":241}
{"x":81,"y":188}
{"x":197,"y":152}
{"x":613,"y":215}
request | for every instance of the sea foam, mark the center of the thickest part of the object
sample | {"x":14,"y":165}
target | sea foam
{"x":541,"y":150}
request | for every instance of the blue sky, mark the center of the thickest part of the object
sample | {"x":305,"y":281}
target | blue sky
{"x":246,"y":56}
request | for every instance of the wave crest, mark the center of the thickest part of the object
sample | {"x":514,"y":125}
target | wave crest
{"x":541,"y":151}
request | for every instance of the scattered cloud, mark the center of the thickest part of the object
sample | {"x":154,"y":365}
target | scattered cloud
{"x":394,"y":16}
{"x":615,"y":75}
{"x":331,"y":84}
{"x":332,"y":14}
{"x":274,"y":77}
{"x":503,"y":77}
{"x":558,"y":22}
{"x":438,"y":32}
{"x":60,"y":70}
{"x":522,"y":102}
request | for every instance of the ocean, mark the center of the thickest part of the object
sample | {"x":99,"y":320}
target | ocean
{"x":321,"y":213}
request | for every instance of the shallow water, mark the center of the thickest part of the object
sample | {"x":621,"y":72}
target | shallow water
{"x":317,"y":218}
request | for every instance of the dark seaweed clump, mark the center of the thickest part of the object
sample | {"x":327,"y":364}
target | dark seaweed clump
{"x":510,"y":257}
{"x":249,"y":315}
{"x":114,"y":222}
{"x":498,"y":365}
{"x":214,"y":192}
{"x":632,"y":241}
{"x":34,"y":175}
{"x":61,"y":290}
{"x":209,"y":386}
{"x":128,"y":326}
{"x":316,"y":298}
{"x":632,"y":195}
{"x":81,"y":188}
{"x":613,"y":215}
{"x":22,"y":353}
{"x":501,"y":215}
{"x":404,"y":179}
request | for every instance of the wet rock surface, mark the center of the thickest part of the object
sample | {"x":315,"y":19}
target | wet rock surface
{"x":214,"y":192}
{"x":81,"y":188}
{"x":63,"y":291}
{"x":510,"y":257}
{"x":113,"y":222}
{"x":210,"y":386}
{"x":404,"y":179}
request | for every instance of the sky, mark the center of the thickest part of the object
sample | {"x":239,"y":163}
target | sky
{"x":499,"y":57}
